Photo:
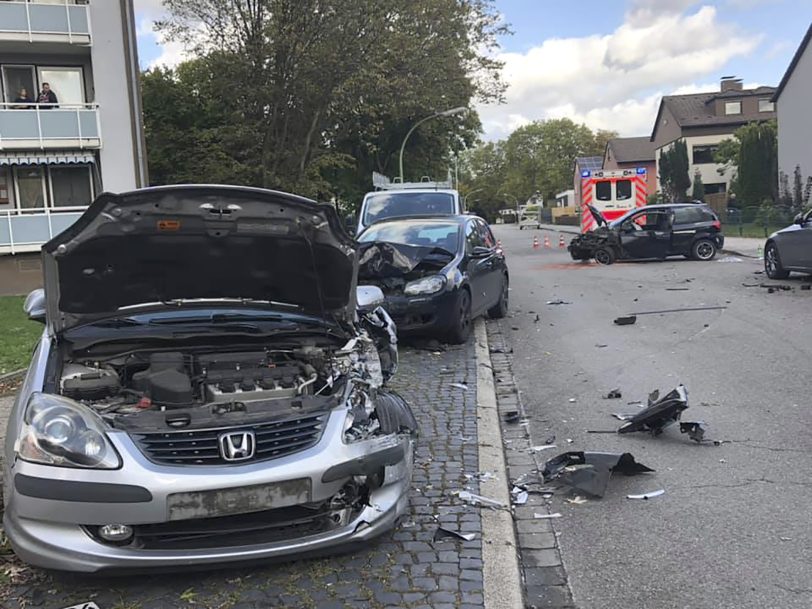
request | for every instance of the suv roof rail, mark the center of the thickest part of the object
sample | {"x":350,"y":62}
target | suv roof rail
{"x":381,"y":182}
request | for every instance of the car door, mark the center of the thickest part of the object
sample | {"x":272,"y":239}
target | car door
{"x":647,"y":234}
{"x":495,"y":271}
{"x":478,"y":267}
{"x":795,"y":246}
{"x":686,"y":220}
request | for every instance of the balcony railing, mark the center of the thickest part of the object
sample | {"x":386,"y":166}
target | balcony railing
{"x":25,"y":230}
{"x":49,"y":126}
{"x":67,"y":21}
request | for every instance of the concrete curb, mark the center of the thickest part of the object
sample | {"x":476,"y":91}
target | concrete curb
{"x":10,"y":376}
{"x":502,"y":582}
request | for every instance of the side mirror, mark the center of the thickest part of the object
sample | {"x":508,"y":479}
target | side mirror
{"x":799,"y":219}
{"x":480,"y":251}
{"x":368,"y":297}
{"x":34,"y":305}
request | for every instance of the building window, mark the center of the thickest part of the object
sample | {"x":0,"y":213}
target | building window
{"x":715,"y":188}
{"x":70,"y":186}
{"x":766,"y":105}
{"x":66,"y":83}
{"x":6,"y":187}
{"x":734,"y":107}
{"x":703,"y":155}
{"x":623,"y":190}
{"x":30,"y":187}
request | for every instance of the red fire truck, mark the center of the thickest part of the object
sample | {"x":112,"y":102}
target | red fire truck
{"x":611,"y":192}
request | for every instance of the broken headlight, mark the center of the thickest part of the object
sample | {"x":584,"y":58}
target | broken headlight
{"x":359,"y":424}
{"x":426,"y":285}
{"x":59,"y":431}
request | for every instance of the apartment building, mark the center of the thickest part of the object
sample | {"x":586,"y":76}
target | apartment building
{"x":59,"y":150}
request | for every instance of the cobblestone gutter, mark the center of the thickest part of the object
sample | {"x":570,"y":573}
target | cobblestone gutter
{"x":545,"y":579}
{"x":404,"y":569}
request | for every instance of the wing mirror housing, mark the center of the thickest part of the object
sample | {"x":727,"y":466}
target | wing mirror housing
{"x":480,"y":251}
{"x":368,"y":297}
{"x":799,"y":219}
{"x":34,"y":305}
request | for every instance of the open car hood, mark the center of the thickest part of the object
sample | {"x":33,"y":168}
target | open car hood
{"x":199,"y":243}
{"x":599,"y":219}
{"x":380,"y":259}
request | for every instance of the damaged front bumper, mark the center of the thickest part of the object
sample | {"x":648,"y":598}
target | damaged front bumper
{"x":582,"y":247}
{"x":330,"y":496}
{"x":418,"y":314}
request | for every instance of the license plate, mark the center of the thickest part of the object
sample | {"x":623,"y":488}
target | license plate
{"x":238,"y":500}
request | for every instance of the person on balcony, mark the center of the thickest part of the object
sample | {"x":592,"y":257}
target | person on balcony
{"x":47,"y":98}
{"x":23,"y":100}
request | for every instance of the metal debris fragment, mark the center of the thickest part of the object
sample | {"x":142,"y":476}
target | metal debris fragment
{"x":469,"y":497}
{"x":682,"y":310}
{"x":589,"y":472}
{"x":512,"y":416}
{"x":546,"y":516}
{"x":647,"y":496}
{"x":538,"y":449}
{"x":614,"y":394}
{"x":558,"y":302}
{"x":442,"y":533}
{"x":659,"y":414}
{"x":628,"y":320}
{"x":462,"y":386}
{"x":694,"y":430}
{"x":577,"y":500}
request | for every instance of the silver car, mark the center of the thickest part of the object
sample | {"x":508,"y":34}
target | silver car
{"x":790,"y":249}
{"x":209,"y":388}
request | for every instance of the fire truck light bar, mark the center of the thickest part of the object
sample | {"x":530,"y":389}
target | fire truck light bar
{"x":585,"y":173}
{"x":641,"y":171}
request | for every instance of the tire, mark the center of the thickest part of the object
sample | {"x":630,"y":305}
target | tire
{"x":772,"y":262}
{"x":604,"y":255}
{"x":500,"y":309}
{"x":704,"y":250}
{"x":460,"y":328}
{"x":521,"y":227}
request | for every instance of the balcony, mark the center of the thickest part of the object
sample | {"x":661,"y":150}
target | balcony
{"x":26,"y":230}
{"x":44,"y":128}
{"x":66,"y":21}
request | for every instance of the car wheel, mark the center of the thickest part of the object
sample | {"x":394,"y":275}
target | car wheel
{"x":704,"y":249}
{"x":604,"y":255}
{"x":772,"y":263}
{"x":461,"y":325}
{"x":500,"y":309}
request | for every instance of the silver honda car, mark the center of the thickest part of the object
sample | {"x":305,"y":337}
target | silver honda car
{"x":209,"y":388}
{"x":790,"y":249}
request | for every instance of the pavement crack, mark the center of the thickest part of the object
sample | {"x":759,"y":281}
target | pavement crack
{"x":794,"y":590}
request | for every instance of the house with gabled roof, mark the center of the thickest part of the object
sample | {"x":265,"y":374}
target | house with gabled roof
{"x":703,"y":120}
{"x":632,"y":153}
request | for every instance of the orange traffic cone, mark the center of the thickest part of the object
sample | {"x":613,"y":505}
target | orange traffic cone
{"x":561,"y":243}
{"x":547,"y":242}
{"x":535,"y":242}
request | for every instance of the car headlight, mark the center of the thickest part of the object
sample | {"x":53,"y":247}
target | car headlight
{"x":59,"y":431}
{"x":427,"y":285}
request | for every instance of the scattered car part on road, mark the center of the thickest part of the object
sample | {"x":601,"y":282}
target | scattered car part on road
{"x":546,"y":516}
{"x":647,"y":496}
{"x":444,"y":533}
{"x":475,"y":499}
{"x":694,"y":429}
{"x":558,"y":302}
{"x":577,"y":500}
{"x":512,"y":416}
{"x":681,"y":310}
{"x":614,"y":394}
{"x":627,"y":320}
{"x":659,"y":414}
{"x":590,"y":471}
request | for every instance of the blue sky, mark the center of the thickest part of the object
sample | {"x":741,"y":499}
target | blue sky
{"x":606,"y":63}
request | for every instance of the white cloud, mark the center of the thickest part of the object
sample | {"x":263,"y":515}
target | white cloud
{"x":614,"y":81}
{"x":147,"y":12}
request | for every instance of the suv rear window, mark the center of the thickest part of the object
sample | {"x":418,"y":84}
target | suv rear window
{"x":692,"y":215}
{"x":383,"y":205}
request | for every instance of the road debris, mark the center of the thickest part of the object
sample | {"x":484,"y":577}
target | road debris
{"x":589,"y":472}
{"x":677,"y":289}
{"x":601,"y":346}
{"x":647,"y":496}
{"x":682,"y":310}
{"x":87,"y":605}
{"x":546,"y":516}
{"x":512,"y":416}
{"x":806,"y":286}
{"x":694,"y":430}
{"x":462,"y":386}
{"x":577,"y":500}
{"x":538,"y":449}
{"x":572,"y":400}
{"x":614,"y":394}
{"x":472,"y":498}
{"x":443,"y":533}
{"x":550,"y":439}
{"x":558,"y":302}
{"x":659,"y":414}
{"x":481,"y":476}
{"x":519,"y":495}
{"x":626,"y":321}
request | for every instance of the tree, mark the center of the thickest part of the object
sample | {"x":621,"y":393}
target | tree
{"x":698,"y":193}
{"x":674,"y":175}
{"x":797,"y":190}
{"x":752,"y":158}
{"x":312,"y":95}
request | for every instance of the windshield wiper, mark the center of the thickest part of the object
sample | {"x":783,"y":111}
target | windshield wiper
{"x":117,"y":322}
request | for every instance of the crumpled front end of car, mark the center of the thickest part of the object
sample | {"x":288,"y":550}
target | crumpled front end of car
{"x":583,"y":246}
{"x":278,"y":453}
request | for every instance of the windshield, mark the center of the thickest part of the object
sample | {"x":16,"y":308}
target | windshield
{"x":384,"y":205}
{"x":444,"y":235}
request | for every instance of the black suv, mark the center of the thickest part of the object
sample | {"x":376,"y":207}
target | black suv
{"x":655,"y":231}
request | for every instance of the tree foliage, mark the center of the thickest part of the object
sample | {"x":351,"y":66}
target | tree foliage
{"x":311,"y":96}
{"x":752,"y":157}
{"x":538,"y":157}
{"x":674,"y":176}
{"x":698,"y":191}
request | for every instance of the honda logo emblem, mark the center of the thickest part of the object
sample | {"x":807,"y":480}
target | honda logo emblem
{"x":237,"y":445}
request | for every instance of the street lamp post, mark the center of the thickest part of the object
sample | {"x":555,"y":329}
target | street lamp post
{"x":451,"y":112}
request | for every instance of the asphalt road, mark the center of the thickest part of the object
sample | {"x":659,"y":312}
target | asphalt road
{"x":733,"y":528}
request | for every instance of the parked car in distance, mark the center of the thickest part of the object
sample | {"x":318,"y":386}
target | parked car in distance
{"x":790,"y":249}
{"x":437,"y":274}
{"x":652,"y":232}
{"x":209,"y":389}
